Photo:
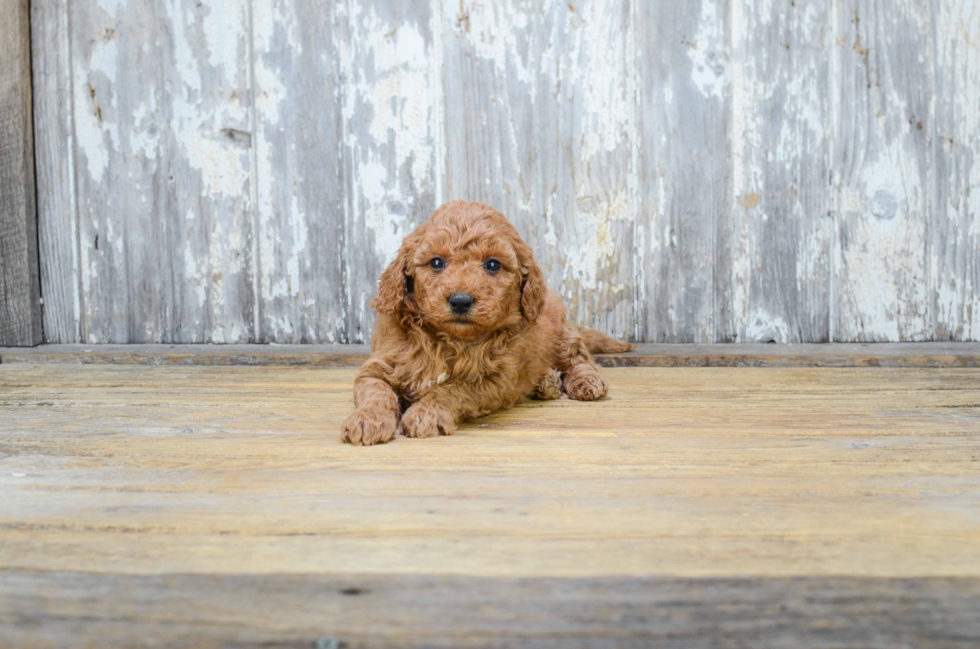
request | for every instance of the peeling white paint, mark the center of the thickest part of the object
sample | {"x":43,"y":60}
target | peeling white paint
{"x":197,"y":124}
{"x":144,"y":140}
{"x":708,"y":52}
{"x":225,"y":46}
{"x":585,"y":264}
{"x":91,"y":125}
{"x":270,"y":93}
{"x":388,"y":108}
{"x":388,"y":229}
{"x":883,"y":273}
{"x":778,"y":68}
{"x":763,"y":328}
{"x":606,"y":102}
{"x":492,"y":30}
{"x":195,"y":268}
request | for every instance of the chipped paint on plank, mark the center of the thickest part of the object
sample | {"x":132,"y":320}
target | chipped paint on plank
{"x":595,"y":276}
{"x":685,"y":129}
{"x":154,"y":94}
{"x":780,"y":166}
{"x":298,"y":213}
{"x":882,"y":167}
{"x":547,"y":94}
{"x":390,"y":122}
{"x":708,"y":52}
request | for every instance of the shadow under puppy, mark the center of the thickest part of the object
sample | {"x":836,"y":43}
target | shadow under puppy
{"x":467,"y":326}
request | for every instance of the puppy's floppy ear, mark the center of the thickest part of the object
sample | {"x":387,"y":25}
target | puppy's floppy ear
{"x":395,"y":284}
{"x":533,"y":290}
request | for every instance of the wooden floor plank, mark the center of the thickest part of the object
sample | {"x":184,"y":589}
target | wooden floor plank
{"x":837,"y":492}
{"x":41,"y":609}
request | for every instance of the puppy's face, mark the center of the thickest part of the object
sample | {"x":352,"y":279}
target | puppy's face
{"x":465,"y":271}
{"x":467,"y":280}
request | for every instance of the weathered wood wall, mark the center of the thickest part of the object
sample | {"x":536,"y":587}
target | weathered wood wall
{"x":697,"y":171}
{"x":20,"y":297}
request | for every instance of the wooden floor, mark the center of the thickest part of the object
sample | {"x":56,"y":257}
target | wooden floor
{"x":211,"y":506}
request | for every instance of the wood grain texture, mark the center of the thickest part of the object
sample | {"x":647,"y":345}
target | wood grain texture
{"x":681,"y":472}
{"x":20,"y":298}
{"x":835,"y":507}
{"x":42,"y":609}
{"x":882,"y":166}
{"x":781,"y":136}
{"x":161,"y":112}
{"x":299,"y":213}
{"x":684,"y":58}
{"x":539,"y":117}
{"x":57,"y":216}
{"x":955,"y":227}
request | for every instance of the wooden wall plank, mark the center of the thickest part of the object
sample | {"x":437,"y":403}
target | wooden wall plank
{"x":539,"y":119}
{"x":685,"y":246}
{"x":299,"y":211}
{"x":955,"y":233}
{"x":161,"y":108}
{"x":20,"y":298}
{"x":393,"y":146}
{"x":783,"y":207}
{"x":55,"y":165}
{"x":882,"y":95}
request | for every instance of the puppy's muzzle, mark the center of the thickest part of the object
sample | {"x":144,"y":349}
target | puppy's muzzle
{"x":460,"y":303}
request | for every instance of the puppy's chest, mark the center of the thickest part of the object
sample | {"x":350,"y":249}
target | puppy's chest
{"x":459,"y":372}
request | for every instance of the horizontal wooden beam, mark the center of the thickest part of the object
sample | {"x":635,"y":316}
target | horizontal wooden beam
{"x":20,"y":292}
{"x":646,"y":355}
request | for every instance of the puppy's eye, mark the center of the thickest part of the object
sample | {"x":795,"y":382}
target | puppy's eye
{"x":437,"y":263}
{"x":491,"y":265}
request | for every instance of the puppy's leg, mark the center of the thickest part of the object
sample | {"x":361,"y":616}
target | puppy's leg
{"x":582,"y":378}
{"x":376,"y":418}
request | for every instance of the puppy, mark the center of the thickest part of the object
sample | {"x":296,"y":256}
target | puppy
{"x":466,"y":326}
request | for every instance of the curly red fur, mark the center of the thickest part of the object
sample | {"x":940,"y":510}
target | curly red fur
{"x":431,"y":367}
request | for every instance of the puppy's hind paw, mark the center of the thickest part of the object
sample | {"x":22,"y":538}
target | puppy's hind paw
{"x":585,"y":385}
{"x":550,"y":386}
{"x":367,"y":427}
{"x":425,"y":419}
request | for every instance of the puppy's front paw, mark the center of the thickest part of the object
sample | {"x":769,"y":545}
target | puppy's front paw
{"x":585,"y":384}
{"x":425,"y":419}
{"x":368,"y":426}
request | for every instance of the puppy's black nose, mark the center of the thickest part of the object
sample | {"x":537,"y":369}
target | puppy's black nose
{"x":460,"y":303}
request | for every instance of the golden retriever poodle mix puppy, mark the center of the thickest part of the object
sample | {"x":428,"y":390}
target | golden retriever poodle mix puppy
{"x":467,"y":326}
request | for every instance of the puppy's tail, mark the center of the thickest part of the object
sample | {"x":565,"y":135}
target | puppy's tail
{"x":600,"y":343}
